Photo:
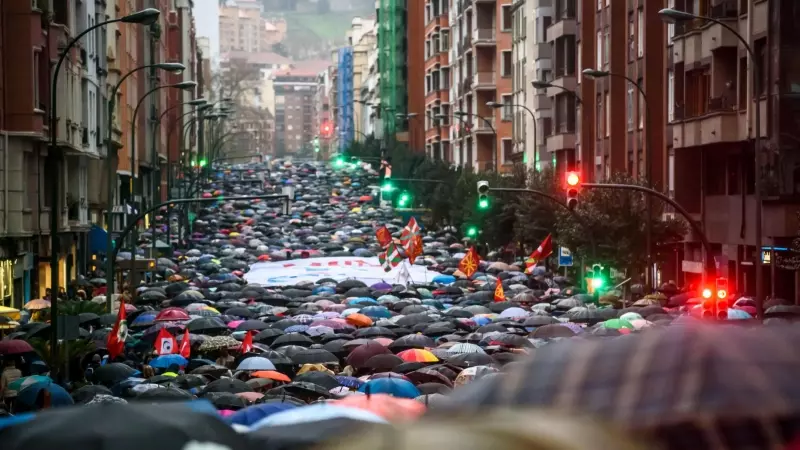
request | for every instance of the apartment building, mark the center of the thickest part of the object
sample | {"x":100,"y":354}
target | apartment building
{"x":370,"y":96}
{"x":363,"y":39}
{"x":482,"y":65}
{"x":401,"y":63}
{"x":242,"y":27}
{"x":711,"y":109}
{"x":532,"y":117}
{"x":295,"y":114}
{"x":436,"y":116}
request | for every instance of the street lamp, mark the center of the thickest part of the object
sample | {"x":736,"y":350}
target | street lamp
{"x":463,"y":114}
{"x":594,"y":74}
{"x":144,"y":17}
{"x":539,"y":84}
{"x":111,"y":154}
{"x":670,"y":15}
{"x":497,"y":105}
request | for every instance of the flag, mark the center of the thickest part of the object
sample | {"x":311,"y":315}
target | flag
{"x":391,"y":257}
{"x":166,"y":344}
{"x":384,"y":236}
{"x":115,"y":342}
{"x":186,"y":345}
{"x":469,"y":264}
{"x":388,"y":169}
{"x":544,"y":250}
{"x":499,"y":293}
{"x":411,"y":240}
{"x":247,"y":342}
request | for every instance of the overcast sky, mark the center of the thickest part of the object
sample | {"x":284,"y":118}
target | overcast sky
{"x":206,"y":16}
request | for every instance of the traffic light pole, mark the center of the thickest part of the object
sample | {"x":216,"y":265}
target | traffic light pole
{"x":711,"y":269}
{"x":558,"y":202}
{"x":112,"y":254}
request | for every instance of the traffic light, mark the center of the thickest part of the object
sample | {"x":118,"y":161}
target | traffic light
{"x":472,"y":231}
{"x":338,"y":162}
{"x":326,"y":129}
{"x":387,"y":186}
{"x":483,"y":195}
{"x":573,"y":188}
{"x":598,"y":279}
{"x":722,"y":299}
{"x":202,"y":162}
{"x":404,"y":201}
{"x":316,"y":145}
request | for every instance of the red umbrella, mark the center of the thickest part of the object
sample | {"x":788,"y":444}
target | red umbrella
{"x":14,"y":347}
{"x":172,"y":315}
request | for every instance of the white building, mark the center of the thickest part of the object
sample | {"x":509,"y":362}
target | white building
{"x":531,"y":56}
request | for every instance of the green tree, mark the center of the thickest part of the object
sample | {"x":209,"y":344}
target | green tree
{"x":74,"y":351}
{"x":536,"y":216}
{"x":617,"y":220}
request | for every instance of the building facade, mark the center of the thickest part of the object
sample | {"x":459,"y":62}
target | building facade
{"x":294,"y":112}
{"x":436,"y":116}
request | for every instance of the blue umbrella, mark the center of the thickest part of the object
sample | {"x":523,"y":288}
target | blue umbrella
{"x":316,"y":413}
{"x":252,"y":414}
{"x":164,"y":361}
{"x":58,"y":395}
{"x":323,"y":290}
{"x":738,"y":314}
{"x":256,"y":363}
{"x":296,"y":329}
{"x":396,"y":387}
{"x":376,"y":312}
{"x":143,"y":320}
{"x":444,"y":279}
{"x":349,"y":382}
{"x":362,"y":301}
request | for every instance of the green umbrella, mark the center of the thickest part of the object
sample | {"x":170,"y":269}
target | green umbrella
{"x":21,"y":383}
{"x":617,"y":324}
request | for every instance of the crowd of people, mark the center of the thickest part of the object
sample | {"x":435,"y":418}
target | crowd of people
{"x":344,"y":325}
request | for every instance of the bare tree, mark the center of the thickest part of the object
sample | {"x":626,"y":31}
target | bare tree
{"x":237,"y":80}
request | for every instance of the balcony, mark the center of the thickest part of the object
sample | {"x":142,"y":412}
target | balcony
{"x":564,"y":79}
{"x":562,"y":28}
{"x":561,"y":141}
{"x":437,"y":96}
{"x":720,"y":122}
{"x":483,"y":126}
{"x":483,"y":81}
{"x":483,"y":36}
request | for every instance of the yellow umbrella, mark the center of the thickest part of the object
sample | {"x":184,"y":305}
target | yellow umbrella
{"x":11,"y":313}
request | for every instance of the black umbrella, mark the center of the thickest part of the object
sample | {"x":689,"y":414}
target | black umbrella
{"x":465,"y":360}
{"x":226,"y":400}
{"x":164,"y":394}
{"x":268,"y":335}
{"x":411,"y":341}
{"x":314,"y":356}
{"x":307,"y":435}
{"x":319,"y":378}
{"x":86,"y":393}
{"x":383,"y":363}
{"x":227,"y":385}
{"x":301,"y":389}
{"x":125,"y":427}
{"x":206,"y":325}
{"x":292,"y":339}
{"x":113,"y":373}
{"x":253,"y":325}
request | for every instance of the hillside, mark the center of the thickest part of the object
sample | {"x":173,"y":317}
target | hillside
{"x":313,"y":35}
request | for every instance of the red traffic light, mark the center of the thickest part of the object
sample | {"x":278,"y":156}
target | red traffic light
{"x":326,"y":129}
{"x":573,"y":179}
{"x":707,"y":293}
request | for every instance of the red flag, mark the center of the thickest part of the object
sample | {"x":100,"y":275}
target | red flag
{"x":166,"y":344}
{"x":544,"y":250}
{"x":186,"y":345}
{"x":384,"y":236}
{"x":499,"y":293}
{"x":469,"y":264}
{"x":115,"y":342}
{"x":411,"y":239}
{"x":247,"y":342}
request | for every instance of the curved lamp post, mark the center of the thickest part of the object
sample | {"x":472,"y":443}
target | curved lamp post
{"x":144,"y":17}
{"x":593,"y":74}
{"x":670,"y":15}
{"x":494,"y":132}
{"x":497,"y":105}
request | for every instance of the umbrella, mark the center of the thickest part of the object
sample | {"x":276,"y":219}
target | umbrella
{"x":86,"y":393}
{"x":14,"y":347}
{"x":389,"y":407}
{"x":319,"y":378}
{"x":396,"y":387}
{"x":314,"y":413}
{"x":165,"y":361}
{"x":271,"y":375}
{"x":125,"y":427}
{"x":112,"y":373}
{"x":30,"y":397}
{"x":227,"y":385}
{"x":255,"y":363}
{"x":301,"y":436}
{"x":418,"y":355}
{"x":21,"y":383}
{"x":253,"y":414}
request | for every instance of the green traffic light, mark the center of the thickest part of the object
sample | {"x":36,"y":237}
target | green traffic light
{"x":483,"y":203}
{"x":203,"y":163}
{"x":597,"y":283}
{"x":338,"y":162}
{"x":404,"y":199}
{"x":387,"y":187}
{"x":472,"y":231}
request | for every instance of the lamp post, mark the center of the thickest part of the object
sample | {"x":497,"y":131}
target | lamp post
{"x":497,"y":105}
{"x":670,"y":15}
{"x":144,"y":17}
{"x":494,"y":132}
{"x":593,"y":74}
{"x":182,"y":85}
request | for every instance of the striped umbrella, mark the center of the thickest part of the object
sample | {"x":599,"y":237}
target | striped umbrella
{"x":418,"y":355}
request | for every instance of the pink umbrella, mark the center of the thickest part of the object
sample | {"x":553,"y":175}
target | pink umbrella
{"x":330,"y":323}
{"x":226,"y":412}
{"x":172,"y":315}
{"x":250,"y":396}
{"x":235,"y":323}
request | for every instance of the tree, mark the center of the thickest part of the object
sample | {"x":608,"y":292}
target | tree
{"x":237,"y":80}
{"x":536,"y":216}
{"x":617,"y":220}
{"x":280,"y":49}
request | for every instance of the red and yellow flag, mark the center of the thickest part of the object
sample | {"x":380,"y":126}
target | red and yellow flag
{"x":469,"y":264}
{"x":499,"y":293}
{"x":384,"y":236}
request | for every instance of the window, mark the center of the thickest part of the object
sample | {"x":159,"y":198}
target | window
{"x":506,"y":66}
{"x":599,"y":45}
{"x":630,"y":107}
{"x":508,"y":110}
{"x":631,"y":37}
{"x":640,"y":35}
{"x":445,"y":40}
{"x":670,"y":95}
{"x":580,"y":63}
{"x":608,"y":114}
{"x":642,"y":105}
{"x":505,"y":19}
{"x":508,"y":149}
{"x":599,"y":5}
{"x":36,"y":77}
{"x":600,"y":116}
{"x":671,"y":26}
{"x":606,"y":46}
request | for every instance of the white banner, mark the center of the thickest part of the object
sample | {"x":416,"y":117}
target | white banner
{"x":368,"y":270}
{"x":166,"y":346}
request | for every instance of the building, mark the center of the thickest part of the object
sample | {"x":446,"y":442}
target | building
{"x":436,"y":116}
{"x":370,"y":96}
{"x":362,"y":37}
{"x":401,"y":60}
{"x":295,"y":114}
{"x":531,"y":57}
{"x":482,"y":62}
{"x":345,"y":88}
{"x":242,"y":27}
{"x":712,"y":115}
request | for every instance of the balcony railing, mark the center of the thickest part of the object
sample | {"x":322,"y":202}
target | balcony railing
{"x":483,"y":126}
{"x":483,"y":34}
{"x":483,"y":78}
{"x":721,"y":104}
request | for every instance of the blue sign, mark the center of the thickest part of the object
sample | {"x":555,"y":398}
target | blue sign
{"x":564,"y":257}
